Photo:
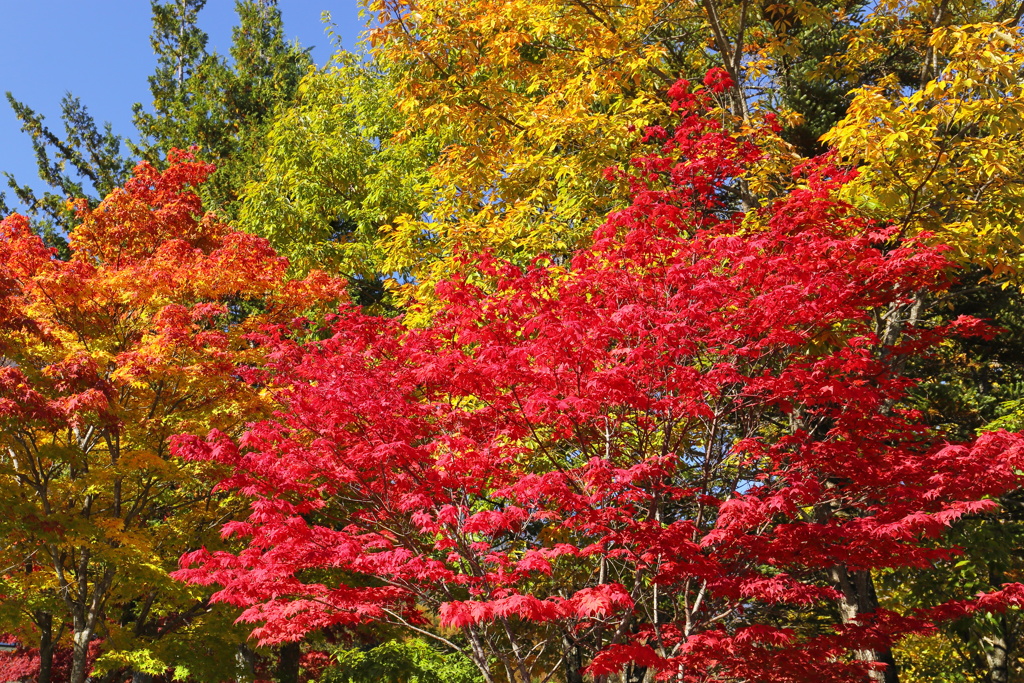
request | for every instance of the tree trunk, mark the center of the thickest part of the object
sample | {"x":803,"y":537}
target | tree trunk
{"x":80,"y":653}
{"x":997,"y":656}
{"x":288,"y":664}
{"x":635,"y":673}
{"x":45,"y":622}
{"x":246,"y":660}
{"x":572,"y":658}
{"x":86,"y":613}
{"x":859,"y":598}
{"x":139,"y":677}
{"x":999,"y":647}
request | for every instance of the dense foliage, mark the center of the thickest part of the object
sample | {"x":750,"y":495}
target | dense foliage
{"x":135,"y":338}
{"x":683,"y":453}
{"x":498,"y":350}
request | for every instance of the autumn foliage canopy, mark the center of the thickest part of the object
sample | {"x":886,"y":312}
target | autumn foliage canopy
{"x":533,"y":341}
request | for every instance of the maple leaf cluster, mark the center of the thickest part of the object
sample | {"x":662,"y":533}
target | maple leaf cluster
{"x":684,"y":452}
{"x":140,"y":335}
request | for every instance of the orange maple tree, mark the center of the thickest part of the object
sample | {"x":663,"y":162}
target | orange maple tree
{"x":138,"y":336}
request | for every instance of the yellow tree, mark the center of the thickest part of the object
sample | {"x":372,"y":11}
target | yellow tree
{"x":488,"y":125}
{"x":535,"y":100}
{"x":139,"y":336}
{"x":947,"y":157}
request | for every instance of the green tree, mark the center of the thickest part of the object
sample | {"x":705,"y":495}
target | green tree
{"x":221,"y":106}
{"x":86,"y":162}
{"x":335,"y":174}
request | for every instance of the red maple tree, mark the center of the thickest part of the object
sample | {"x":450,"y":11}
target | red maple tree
{"x":685,"y":453}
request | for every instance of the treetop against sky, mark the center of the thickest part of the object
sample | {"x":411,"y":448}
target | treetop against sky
{"x":101,"y":53}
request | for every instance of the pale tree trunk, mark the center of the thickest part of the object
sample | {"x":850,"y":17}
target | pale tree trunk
{"x":636,"y":674}
{"x":246,"y":660}
{"x":478,"y":654}
{"x":996,"y":659}
{"x":999,"y":648}
{"x":80,"y":653}
{"x":86,"y":615}
{"x":858,"y":591}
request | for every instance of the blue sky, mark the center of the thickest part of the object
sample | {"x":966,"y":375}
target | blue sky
{"x":100,"y":52}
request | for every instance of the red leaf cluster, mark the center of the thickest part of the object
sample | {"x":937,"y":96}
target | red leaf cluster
{"x":662,"y":453}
